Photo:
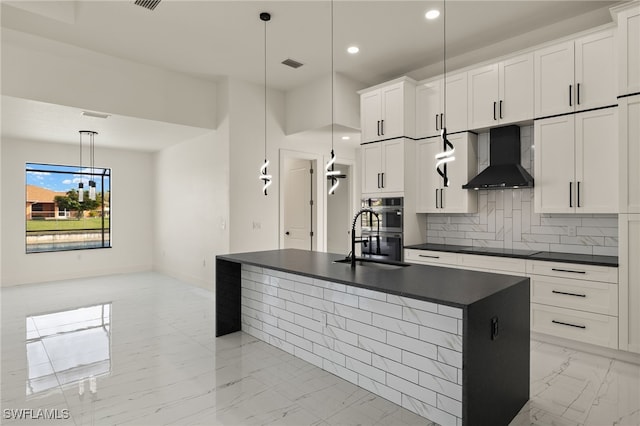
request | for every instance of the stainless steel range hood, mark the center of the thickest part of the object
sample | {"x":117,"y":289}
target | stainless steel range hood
{"x":504,"y":169}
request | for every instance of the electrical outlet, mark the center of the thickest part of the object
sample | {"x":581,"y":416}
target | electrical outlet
{"x":571,"y":230}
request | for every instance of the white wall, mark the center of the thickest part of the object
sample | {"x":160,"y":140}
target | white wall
{"x":192,"y":208}
{"x":131,"y":221}
{"x":309,"y":106}
{"x":45,"y":70}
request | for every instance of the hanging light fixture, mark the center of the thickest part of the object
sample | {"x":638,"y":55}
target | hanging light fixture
{"x":92,"y":183}
{"x":81,"y":184}
{"x":265,"y":177}
{"x":331,"y":173}
{"x":446,"y":156}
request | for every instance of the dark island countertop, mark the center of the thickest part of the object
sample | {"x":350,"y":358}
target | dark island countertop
{"x":550,"y":256}
{"x":449,"y":286}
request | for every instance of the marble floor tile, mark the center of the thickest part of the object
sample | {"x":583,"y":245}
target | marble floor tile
{"x":151,"y":358}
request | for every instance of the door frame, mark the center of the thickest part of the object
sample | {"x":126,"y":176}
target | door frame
{"x":320,"y":202}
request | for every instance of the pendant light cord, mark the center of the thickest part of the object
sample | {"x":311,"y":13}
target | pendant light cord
{"x":332,"y":77}
{"x":265,"y":90}
{"x":444,"y":57}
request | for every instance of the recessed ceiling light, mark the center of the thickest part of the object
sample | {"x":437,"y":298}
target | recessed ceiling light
{"x":345,"y":138}
{"x":95,"y":114}
{"x":432,"y":14}
{"x":353,"y":49}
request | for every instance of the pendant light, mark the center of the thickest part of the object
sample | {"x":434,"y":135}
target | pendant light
{"x":81,"y":184}
{"x":331,"y":173}
{"x":446,"y":156}
{"x":265,"y":177}
{"x":92,"y":183}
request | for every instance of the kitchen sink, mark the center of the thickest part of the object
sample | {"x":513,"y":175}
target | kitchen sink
{"x":374,"y":264}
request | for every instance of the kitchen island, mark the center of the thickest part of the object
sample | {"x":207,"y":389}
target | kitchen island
{"x":450,"y":345}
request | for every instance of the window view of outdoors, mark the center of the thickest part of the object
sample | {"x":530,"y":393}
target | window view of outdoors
{"x":57,"y":218}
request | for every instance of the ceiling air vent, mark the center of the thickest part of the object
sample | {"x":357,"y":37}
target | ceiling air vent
{"x":148,"y":4}
{"x":292,"y":63}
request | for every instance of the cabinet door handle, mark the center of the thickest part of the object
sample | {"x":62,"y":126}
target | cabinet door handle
{"x":441,"y":203}
{"x":382,"y":179}
{"x":382,"y":127}
{"x":494,"y":111}
{"x":578,"y":193}
{"x":570,"y":95}
{"x":568,"y":270}
{"x":500,"y":108}
{"x":441,"y":121}
{"x":568,"y":294}
{"x":378,"y":127}
{"x":570,"y":194}
{"x":569,"y":324}
{"x":436,"y":198}
{"x":437,"y":122}
{"x":430,"y":257}
{"x":578,"y":93}
{"x":378,"y":180}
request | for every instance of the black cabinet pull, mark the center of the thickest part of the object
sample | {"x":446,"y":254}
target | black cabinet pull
{"x":382,"y":185}
{"x":378,"y":127}
{"x":494,"y":111}
{"x":570,"y":194}
{"x":568,"y":270}
{"x":578,"y":193}
{"x":436,"y":198}
{"x":441,"y":121}
{"x":378,"y":180}
{"x":501,"y":108}
{"x":568,"y":294}
{"x":578,"y":93}
{"x":437,"y":122}
{"x":441,"y":204}
{"x":569,"y":324}
{"x":382,"y":127}
{"x":430,"y":257}
{"x":570,"y":96}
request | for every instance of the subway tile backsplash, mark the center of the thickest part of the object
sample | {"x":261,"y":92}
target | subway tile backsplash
{"x":506,"y":219}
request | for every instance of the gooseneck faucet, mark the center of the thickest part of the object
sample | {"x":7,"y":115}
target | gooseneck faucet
{"x":354,"y":240}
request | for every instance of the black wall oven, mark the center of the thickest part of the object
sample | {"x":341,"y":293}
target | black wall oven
{"x":388,"y":244}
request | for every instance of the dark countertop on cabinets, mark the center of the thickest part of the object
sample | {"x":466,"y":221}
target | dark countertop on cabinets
{"x":584,"y":259}
{"x":449,"y":286}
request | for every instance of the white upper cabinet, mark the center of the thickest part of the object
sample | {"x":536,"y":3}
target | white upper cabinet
{"x":432,"y":195}
{"x":628,"y":43}
{"x":576,"y":163}
{"x":383,"y":167}
{"x":388,"y":111}
{"x":575,"y":75}
{"x":430,"y":105}
{"x":629,"y":154}
{"x":501,"y":93}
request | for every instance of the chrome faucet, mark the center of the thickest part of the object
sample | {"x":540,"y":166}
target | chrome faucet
{"x":364,"y":241}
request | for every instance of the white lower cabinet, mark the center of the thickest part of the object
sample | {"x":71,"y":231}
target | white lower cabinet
{"x":575,"y":301}
{"x":629,"y":255}
{"x":577,"y":325}
{"x":568,"y":300}
{"x":434,"y":258}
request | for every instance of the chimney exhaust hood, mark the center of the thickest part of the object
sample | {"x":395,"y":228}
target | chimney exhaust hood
{"x":504,"y":169}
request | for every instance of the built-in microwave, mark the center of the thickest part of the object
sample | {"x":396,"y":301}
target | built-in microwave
{"x":390,"y":214}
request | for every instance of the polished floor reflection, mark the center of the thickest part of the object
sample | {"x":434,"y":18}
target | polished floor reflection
{"x":139,"y":349}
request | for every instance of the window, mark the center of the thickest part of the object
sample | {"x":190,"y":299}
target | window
{"x":55,"y":219}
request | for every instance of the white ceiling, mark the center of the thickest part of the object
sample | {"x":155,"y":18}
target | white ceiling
{"x":209,"y":39}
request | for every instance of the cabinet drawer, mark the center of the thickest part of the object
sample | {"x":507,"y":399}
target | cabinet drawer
{"x":494,"y":263}
{"x":586,"y":327}
{"x":571,"y":270}
{"x":589,"y":296}
{"x":428,"y":257}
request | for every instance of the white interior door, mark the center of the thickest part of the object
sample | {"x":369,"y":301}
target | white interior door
{"x":339,"y":215}
{"x":298,"y":219}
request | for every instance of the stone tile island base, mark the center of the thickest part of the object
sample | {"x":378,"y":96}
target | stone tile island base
{"x":418,"y":354}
